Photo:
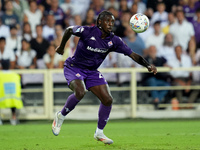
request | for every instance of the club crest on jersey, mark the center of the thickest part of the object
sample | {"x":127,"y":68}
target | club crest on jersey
{"x":81,"y":29}
{"x":110,"y":43}
{"x":78,"y":75}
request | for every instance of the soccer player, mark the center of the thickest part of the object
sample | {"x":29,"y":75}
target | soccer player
{"x":81,"y":70}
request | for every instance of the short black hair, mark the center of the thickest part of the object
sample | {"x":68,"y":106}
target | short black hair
{"x":39,"y":25}
{"x":2,"y":39}
{"x":30,"y":1}
{"x":25,"y":40}
{"x":13,"y":27}
{"x":157,"y":22}
{"x":102,"y":15}
{"x":160,"y":3}
{"x":178,"y":46}
{"x":179,"y":11}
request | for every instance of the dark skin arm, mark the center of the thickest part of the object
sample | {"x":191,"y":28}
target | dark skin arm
{"x":137,"y":58}
{"x":140,"y":60}
{"x":65,"y":38}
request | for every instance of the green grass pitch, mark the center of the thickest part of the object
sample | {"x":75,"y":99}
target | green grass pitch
{"x":133,"y":134}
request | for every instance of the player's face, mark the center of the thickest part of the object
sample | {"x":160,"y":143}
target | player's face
{"x":107,"y":23}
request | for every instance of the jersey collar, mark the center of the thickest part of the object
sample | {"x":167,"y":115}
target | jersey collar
{"x":99,"y":33}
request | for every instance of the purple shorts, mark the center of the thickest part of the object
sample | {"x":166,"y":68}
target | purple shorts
{"x":90,"y":78}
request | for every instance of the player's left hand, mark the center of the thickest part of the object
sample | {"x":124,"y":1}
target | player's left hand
{"x":60,"y":50}
{"x":152,"y":68}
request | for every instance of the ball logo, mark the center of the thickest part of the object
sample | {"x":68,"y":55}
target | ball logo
{"x":139,"y":23}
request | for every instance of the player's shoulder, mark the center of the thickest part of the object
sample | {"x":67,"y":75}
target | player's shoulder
{"x":117,"y":39}
{"x":88,"y":28}
{"x":83,"y":29}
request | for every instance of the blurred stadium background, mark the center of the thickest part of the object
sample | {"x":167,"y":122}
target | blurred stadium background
{"x":40,"y":23}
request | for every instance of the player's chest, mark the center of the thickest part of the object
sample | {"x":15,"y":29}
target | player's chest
{"x":95,"y":42}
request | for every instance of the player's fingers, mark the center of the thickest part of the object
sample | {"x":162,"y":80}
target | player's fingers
{"x":155,"y":71}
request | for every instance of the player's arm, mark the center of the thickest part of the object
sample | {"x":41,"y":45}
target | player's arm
{"x":140,"y":60}
{"x":67,"y":34}
{"x":121,"y":47}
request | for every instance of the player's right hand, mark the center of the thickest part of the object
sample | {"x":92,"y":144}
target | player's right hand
{"x":152,"y":68}
{"x":60,"y":50}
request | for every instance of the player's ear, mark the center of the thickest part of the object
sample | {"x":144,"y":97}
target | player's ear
{"x":99,"y":22}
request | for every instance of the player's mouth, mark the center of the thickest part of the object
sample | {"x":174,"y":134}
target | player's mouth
{"x":109,"y":29}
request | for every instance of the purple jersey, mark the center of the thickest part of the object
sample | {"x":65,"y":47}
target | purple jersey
{"x":92,"y":49}
{"x":196,"y":26}
{"x":190,"y":12}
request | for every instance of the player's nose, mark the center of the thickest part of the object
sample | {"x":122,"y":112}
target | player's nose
{"x":111,"y":23}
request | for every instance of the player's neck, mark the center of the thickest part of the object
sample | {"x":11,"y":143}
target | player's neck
{"x":104,"y":34}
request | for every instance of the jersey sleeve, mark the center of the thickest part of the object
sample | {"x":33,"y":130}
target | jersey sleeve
{"x":121,"y":47}
{"x":80,"y":31}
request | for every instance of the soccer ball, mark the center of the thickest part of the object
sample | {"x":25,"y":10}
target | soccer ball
{"x":139,"y":23}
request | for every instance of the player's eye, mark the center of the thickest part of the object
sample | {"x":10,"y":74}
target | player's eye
{"x":106,"y":21}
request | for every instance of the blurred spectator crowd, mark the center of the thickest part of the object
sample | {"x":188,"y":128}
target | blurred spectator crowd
{"x":30,"y":30}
